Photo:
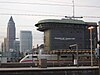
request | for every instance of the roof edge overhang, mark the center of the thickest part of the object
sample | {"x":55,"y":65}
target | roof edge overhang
{"x":68,"y":21}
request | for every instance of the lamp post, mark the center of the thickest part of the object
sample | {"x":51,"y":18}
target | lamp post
{"x":91,"y":28}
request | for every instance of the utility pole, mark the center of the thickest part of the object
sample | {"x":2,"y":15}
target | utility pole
{"x":73,"y":9}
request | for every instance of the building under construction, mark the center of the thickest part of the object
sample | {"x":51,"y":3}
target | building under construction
{"x":60,"y":34}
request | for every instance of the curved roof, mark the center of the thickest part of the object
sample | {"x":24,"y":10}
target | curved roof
{"x":73,"y":21}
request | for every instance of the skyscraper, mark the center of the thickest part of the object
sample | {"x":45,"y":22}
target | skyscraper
{"x":25,"y":41}
{"x":11,"y":32}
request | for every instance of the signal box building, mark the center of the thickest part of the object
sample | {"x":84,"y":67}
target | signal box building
{"x":60,"y":34}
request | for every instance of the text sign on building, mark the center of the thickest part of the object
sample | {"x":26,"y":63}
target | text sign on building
{"x":63,"y":38}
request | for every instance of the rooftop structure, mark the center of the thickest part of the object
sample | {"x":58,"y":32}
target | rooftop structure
{"x":60,"y":34}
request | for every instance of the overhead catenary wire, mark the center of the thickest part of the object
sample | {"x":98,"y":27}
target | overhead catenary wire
{"x":56,"y":4}
{"x":57,"y":1}
{"x":24,"y":10}
{"x":21,"y":14}
{"x":54,"y":1}
{"x":16,"y":9}
{"x":53,"y":4}
{"x":44,"y":4}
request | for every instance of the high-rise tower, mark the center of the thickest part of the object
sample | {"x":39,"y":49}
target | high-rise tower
{"x":11,"y":32}
{"x":25,"y":41}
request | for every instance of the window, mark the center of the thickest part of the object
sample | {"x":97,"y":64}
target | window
{"x":63,"y":56}
{"x":34,"y":56}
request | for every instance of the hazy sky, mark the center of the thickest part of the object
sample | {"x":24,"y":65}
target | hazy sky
{"x":24,"y":13}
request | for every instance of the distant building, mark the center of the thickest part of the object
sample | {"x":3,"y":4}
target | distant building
{"x":4,"y":45}
{"x":99,"y":30}
{"x":11,"y":34}
{"x":60,"y":34}
{"x":17,"y":45}
{"x":25,"y":41}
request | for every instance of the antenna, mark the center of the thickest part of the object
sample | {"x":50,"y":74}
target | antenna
{"x":73,"y":8}
{"x":70,"y":17}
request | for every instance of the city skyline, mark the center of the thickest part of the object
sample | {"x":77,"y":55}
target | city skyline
{"x":22,"y":11}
